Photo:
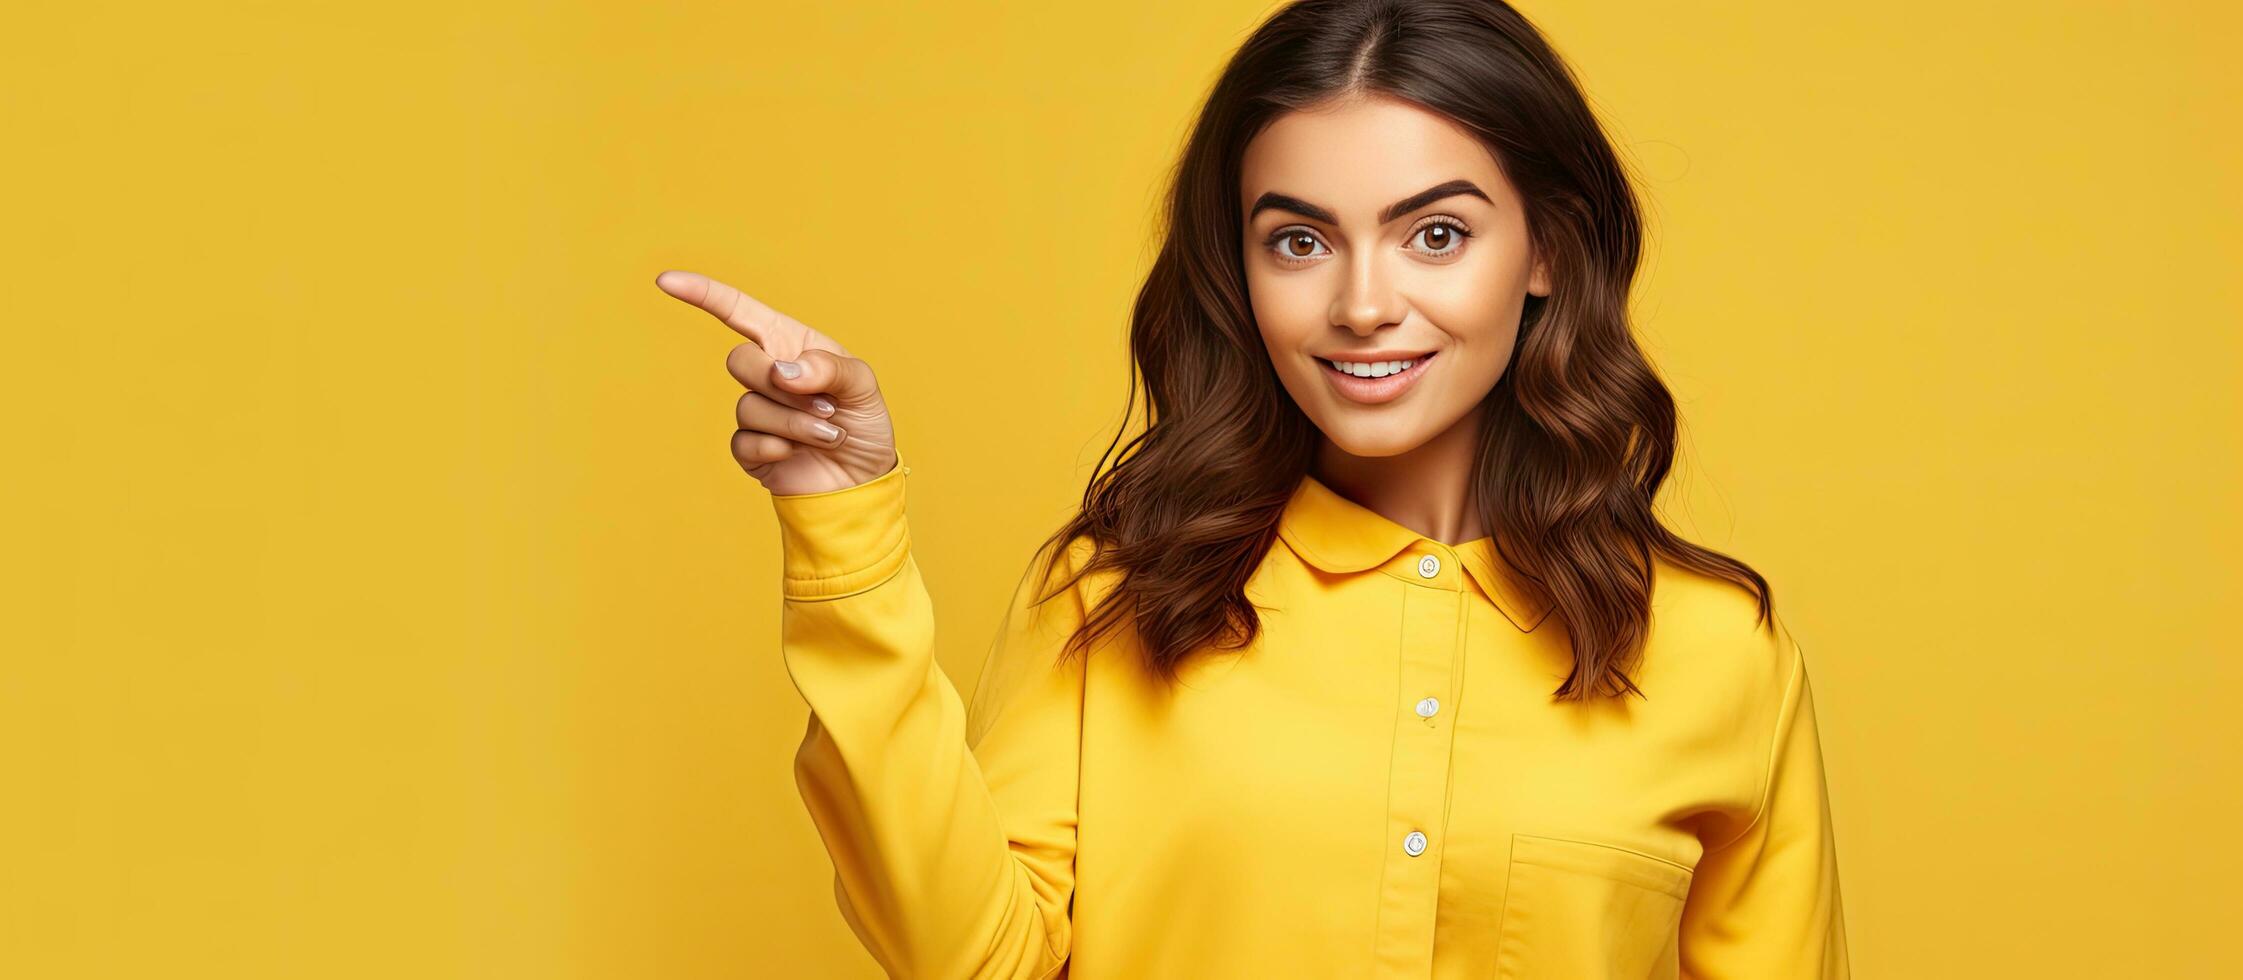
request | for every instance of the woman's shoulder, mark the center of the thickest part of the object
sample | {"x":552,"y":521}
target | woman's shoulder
{"x":1713,"y":627}
{"x":1065,"y":569}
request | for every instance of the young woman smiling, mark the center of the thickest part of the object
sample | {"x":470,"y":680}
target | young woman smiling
{"x":1368,"y":656}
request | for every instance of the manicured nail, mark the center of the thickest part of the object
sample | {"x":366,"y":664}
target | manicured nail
{"x":823,"y":406}
{"x":788,"y":369}
{"x":826,"y":431}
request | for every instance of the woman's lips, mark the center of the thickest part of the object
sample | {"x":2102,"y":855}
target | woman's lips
{"x":1372,"y":391}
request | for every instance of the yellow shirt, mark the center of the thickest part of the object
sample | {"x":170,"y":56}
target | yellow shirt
{"x":1379,"y":786}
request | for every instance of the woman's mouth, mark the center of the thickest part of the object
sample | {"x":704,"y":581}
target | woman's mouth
{"x":1356,"y":382}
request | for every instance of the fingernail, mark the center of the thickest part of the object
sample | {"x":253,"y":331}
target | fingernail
{"x":826,"y":431}
{"x":788,"y":369}
{"x":823,"y":406}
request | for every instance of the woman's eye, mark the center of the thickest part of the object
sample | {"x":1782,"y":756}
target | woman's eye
{"x":1294,"y":245}
{"x":1442,"y":238}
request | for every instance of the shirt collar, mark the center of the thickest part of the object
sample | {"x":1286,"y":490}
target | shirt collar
{"x":1336,"y":534}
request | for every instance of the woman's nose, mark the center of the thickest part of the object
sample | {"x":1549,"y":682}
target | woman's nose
{"x":1366,"y":299}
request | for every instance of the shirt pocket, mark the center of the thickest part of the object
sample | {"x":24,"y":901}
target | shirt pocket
{"x":1581,"y":910}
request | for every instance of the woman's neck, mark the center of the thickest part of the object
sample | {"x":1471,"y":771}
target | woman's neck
{"x":1427,"y":489}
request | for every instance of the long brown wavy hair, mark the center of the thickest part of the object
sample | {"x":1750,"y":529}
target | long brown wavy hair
{"x":1576,"y":437}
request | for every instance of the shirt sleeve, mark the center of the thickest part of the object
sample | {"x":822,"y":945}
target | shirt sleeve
{"x":1766,"y":903}
{"x":952,"y":832}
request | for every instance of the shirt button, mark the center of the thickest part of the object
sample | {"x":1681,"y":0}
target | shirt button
{"x":1427,"y":707}
{"x":1414,"y":844}
{"x":1428,"y":566}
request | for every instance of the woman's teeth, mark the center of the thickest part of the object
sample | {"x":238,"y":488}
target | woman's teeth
{"x":1374,"y":369}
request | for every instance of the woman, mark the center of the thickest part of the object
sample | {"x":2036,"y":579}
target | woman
{"x":1368,"y":657}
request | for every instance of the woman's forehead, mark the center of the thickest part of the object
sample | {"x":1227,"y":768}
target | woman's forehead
{"x":1356,"y":157}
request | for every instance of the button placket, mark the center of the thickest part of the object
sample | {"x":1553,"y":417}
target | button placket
{"x":1431,"y":626}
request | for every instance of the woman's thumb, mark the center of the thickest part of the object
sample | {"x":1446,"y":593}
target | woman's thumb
{"x":848,"y":380}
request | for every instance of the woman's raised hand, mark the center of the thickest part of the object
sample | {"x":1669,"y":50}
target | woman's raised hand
{"x":824,"y":428}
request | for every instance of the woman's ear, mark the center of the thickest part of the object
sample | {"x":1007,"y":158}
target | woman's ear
{"x":1538,"y":282}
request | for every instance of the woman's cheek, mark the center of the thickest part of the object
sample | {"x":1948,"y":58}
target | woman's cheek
{"x":1287,"y":318}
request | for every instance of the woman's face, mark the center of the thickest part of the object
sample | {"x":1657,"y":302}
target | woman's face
{"x":1379,"y":231}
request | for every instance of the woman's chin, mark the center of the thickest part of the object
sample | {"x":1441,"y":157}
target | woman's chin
{"x":1372,"y":438}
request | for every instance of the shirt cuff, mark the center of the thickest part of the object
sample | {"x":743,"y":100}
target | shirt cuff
{"x":835,"y":543}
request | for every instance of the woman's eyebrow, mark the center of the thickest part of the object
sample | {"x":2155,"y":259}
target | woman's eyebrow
{"x":1287,"y":202}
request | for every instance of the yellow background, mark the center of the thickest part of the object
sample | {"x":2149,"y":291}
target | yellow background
{"x":381,"y":599}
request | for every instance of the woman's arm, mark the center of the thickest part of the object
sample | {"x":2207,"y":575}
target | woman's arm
{"x":952,"y":832}
{"x":1766,"y":902}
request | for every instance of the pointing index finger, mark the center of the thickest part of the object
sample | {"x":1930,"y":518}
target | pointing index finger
{"x":738,"y":310}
